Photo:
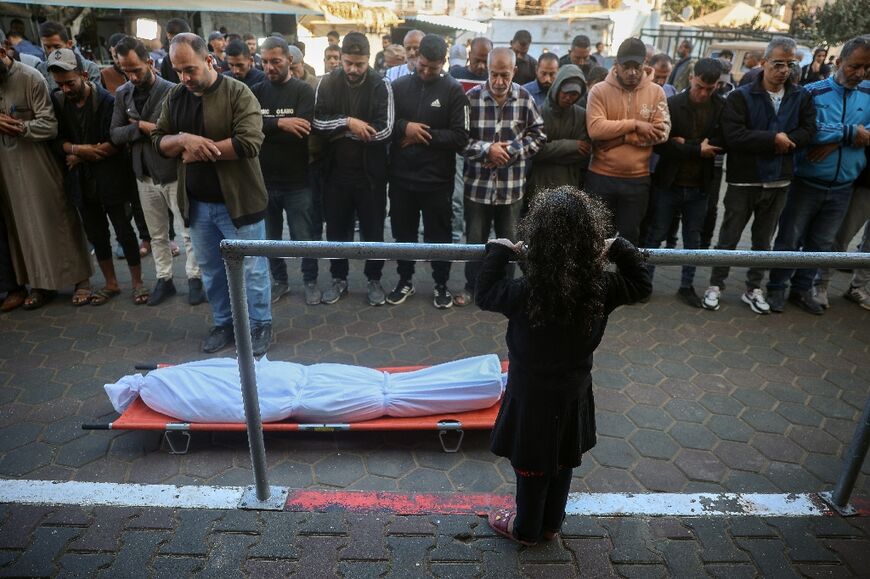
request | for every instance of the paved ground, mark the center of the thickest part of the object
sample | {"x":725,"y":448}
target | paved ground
{"x":120,"y":543}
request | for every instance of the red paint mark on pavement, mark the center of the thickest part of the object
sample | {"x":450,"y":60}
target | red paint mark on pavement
{"x":397,"y":503}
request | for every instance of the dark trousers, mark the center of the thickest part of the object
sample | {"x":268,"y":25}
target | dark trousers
{"x":712,"y":209}
{"x":809,"y":222}
{"x":741,"y":204}
{"x":480,"y":218}
{"x":8,"y":281}
{"x":344,"y":196}
{"x":541,"y":501}
{"x":691,"y":203}
{"x":436,"y":207}
{"x":96,"y":218}
{"x":296,"y":204}
{"x":139,"y":219}
{"x":627,"y":199}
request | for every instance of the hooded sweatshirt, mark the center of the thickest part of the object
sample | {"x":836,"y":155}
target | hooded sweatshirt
{"x":612,"y":112}
{"x":558,"y":162}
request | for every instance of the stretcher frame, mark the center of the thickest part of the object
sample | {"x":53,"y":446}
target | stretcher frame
{"x":177,"y":434}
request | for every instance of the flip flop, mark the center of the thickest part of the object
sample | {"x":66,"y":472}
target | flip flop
{"x":502,"y":522}
{"x":100,"y":297}
{"x":141,"y":295}
{"x":38,"y":298}
{"x":82,"y":297}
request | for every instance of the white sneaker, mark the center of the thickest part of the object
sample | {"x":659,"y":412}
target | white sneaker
{"x":711,"y":298}
{"x":858,"y":295}
{"x":756,"y":301}
{"x":820,"y":294}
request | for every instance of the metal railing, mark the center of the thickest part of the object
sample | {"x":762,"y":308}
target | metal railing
{"x":262,"y":496}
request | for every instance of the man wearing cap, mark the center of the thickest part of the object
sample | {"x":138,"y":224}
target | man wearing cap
{"x":217,"y":43}
{"x":411,"y":43}
{"x":43,"y":240}
{"x":545,"y":74}
{"x":506,"y":131}
{"x":526,"y":64}
{"x":354,"y":110}
{"x":431,"y":127}
{"x":626,"y":114}
{"x":240,"y":64}
{"x":299,"y":69}
{"x":581,"y":54}
{"x":212,"y":124}
{"x":563,"y":159}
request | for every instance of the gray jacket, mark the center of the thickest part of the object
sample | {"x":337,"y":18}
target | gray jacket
{"x":159,"y":168}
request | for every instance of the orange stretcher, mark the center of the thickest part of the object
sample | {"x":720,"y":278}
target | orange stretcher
{"x":176,"y":435}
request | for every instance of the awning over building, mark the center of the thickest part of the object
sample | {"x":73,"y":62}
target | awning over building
{"x":450,"y":22}
{"x":737,"y":15}
{"x":242,"y":6}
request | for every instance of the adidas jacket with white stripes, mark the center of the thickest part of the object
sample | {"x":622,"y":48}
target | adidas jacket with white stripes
{"x":443,"y":106}
{"x":372,"y":101}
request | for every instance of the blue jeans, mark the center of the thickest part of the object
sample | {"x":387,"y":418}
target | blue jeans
{"x":297,"y":204}
{"x":691,"y":202}
{"x":210,"y":223}
{"x":809,"y":222}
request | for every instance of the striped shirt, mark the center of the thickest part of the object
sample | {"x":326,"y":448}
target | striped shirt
{"x":517,"y":122}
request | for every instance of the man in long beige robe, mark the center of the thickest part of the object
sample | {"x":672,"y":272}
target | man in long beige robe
{"x":46,"y":241}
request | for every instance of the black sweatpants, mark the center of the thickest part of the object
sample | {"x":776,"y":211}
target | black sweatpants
{"x":96,"y":218}
{"x":406,"y":206}
{"x":541,"y":501}
{"x":344,"y":196}
{"x":627,"y":199}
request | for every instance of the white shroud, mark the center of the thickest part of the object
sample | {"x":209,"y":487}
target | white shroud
{"x":210,"y":390}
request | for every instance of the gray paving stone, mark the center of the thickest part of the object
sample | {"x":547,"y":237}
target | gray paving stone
{"x":410,"y":525}
{"x":68,"y":516}
{"x":24,"y":459}
{"x":227,"y":555}
{"x":278,"y":536}
{"x":105,"y":531}
{"x":686,"y":411}
{"x":475,"y":476}
{"x":650,"y":417}
{"x":802,"y":546}
{"x":798,"y":414}
{"x":189,"y":538}
{"x":748,"y":482}
{"x":83,"y":450}
{"x":614,"y":452}
{"x":695,"y":436}
{"x":730,"y":428}
{"x":358,"y":569}
{"x":367,"y":538}
{"x":750,"y":527}
{"x":659,"y":475}
{"x":616,"y":425}
{"x":458,"y":570}
{"x":82,"y":564}
{"x":19,"y":434}
{"x":409,"y":555}
{"x":177,"y":566}
{"x":825,"y":467}
{"x":731,"y":571}
{"x":654,"y":444}
{"x":682,"y":559}
{"x":450,"y":548}
{"x":717,"y":546}
{"x":700,"y":465}
{"x":388,"y":463}
{"x":18,"y":524}
{"x":425,"y":480}
{"x":238,"y":522}
{"x":324,"y":524}
{"x":153,"y":518}
{"x":631,"y":540}
{"x":38,"y":560}
{"x":768,"y":556}
{"x":138,"y":548}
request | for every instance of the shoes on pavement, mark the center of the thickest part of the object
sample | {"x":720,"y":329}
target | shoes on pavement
{"x":858,"y":295}
{"x":463,"y":298}
{"x":404,"y":290}
{"x":805,"y":301}
{"x":754,"y":298}
{"x":776,"y":300}
{"x":14,"y":299}
{"x":335,"y":292}
{"x":820,"y":294}
{"x":219,"y":337}
{"x":312,"y":293}
{"x":689,"y":297}
{"x":376,"y":294}
{"x":164,"y":289}
{"x":279,"y":290}
{"x":441,"y":297}
{"x":261,"y":339}
{"x":195,"y":291}
{"x":711,"y":298}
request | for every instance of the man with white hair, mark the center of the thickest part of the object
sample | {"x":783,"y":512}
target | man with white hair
{"x":411,"y":43}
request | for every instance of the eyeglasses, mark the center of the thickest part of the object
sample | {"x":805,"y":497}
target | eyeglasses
{"x":783,"y":64}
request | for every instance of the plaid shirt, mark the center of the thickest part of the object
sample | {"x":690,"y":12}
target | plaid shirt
{"x":517,"y":122}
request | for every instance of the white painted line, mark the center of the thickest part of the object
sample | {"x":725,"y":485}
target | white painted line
{"x":694,"y":505}
{"x":41,"y":492}
{"x":38,"y":492}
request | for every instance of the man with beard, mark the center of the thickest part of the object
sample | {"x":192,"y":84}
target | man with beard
{"x":581,"y":54}
{"x":506,"y":130}
{"x":251,"y":43}
{"x":411,"y":44}
{"x":241,"y":64}
{"x":679,"y":77}
{"x":287,"y":106}
{"x":545,"y":74}
{"x":27,"y":165}
{"x":112,"y":76}
{"x":431,"y":127}
{"x":137,"y":108}
{"x":354,"y":110}
{"x":212,"y":124}
{"x":100,"y":179}
{"x":53,"y":36}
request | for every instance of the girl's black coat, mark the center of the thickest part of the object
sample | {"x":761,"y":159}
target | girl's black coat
{"x":547,"y":416}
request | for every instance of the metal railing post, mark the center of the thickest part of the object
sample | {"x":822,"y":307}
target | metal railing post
{"x":852,"y":462}
{"x":261,"y":495}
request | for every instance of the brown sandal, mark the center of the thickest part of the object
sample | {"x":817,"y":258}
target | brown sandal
{"x":502,"y":522}
{"x":38,"y":298}
{"x":100,"y":297}
{"x":82,"y":297}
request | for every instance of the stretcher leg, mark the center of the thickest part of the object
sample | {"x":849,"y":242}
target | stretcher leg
{"x":446,"y":426}
{"x":178,"y":441}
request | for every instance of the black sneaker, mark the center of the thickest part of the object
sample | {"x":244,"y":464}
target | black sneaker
{"x":279,"y":290}
{"x":335,"y":292}
{"x":403,"y":291}
{"x":261,"y":339}
{"x":805,"y":301}
{"x":195,"y":291}
{"x":163,"y":289}
{"x":690,"y":297}
{"x":312,"y":293}
{"x":219,"y":337}
{"x":441,"y":297}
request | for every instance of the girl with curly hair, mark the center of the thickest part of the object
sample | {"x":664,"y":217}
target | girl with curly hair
{"x":557,"y":315}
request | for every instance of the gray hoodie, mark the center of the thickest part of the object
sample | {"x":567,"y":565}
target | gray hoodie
{"x":559,"y":162}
